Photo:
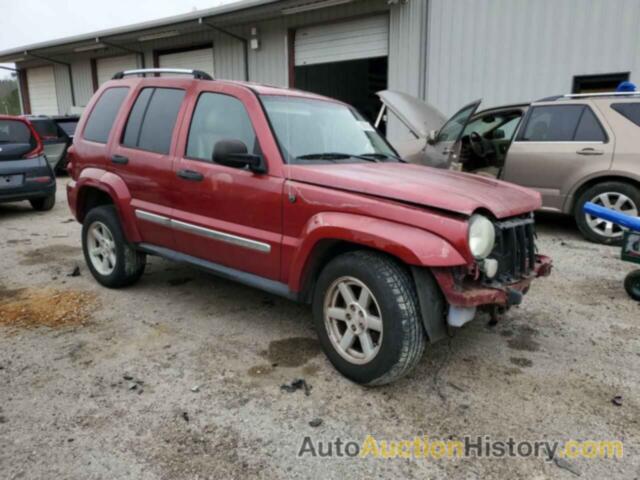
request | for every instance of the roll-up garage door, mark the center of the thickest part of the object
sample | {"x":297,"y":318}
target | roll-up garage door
{"x":352,"y":40}
{"x":41,"y":83}
{"x":201,"y":59}
{"x":109,"y":66}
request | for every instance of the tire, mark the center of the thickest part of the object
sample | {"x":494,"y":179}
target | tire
{"x":594,"y":194}
{"x":394,"y":301}
{"x":125,"y":265}
{"x":632,"y":285}
{"x":43,"y":204}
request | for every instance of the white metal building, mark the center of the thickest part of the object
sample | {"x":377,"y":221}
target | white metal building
{"x":446,"y":51}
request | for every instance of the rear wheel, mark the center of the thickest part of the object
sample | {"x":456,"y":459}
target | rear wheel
{"x":632,"y":285}
{"x":111,"y":259}
{"x":367,"y":318}
{"x":43,"y":204}
{"x":618,"y":196}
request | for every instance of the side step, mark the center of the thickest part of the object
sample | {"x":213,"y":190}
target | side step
{"x":261,"y":283}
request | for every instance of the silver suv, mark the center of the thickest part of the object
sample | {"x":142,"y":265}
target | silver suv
{"x":572,"y":149}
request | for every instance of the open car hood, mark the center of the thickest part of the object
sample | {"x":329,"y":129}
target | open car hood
{"x":418,"y":116}
{"x":462,"y":193}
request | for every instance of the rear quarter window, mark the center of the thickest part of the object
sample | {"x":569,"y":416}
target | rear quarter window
{"x":630,"y":111}
{"x":103,"y":115}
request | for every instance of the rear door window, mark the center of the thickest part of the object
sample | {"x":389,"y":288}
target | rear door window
{"x":47,"y":129}
{"x":103,"y":115}
{"x":631,"y":111}
{"x":552,"y":123}
{"x":589,"y":128}
{"x":152,"y":120}
{"x":562,"y":123}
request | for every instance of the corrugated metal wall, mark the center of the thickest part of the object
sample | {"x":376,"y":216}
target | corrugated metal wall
{"x":508,"y":51}
{"x":63,"y":88}
{"x":82,"y":81}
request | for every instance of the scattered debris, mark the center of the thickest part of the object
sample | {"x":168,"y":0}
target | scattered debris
{"x":128,"y":377}
{"x":68,"y":220}
{"x":185,"y":416}
{"x":316,"y":422}
{"x":133,"y":386}
{"x":195,"y":388}
{"x":3,"y":419}
{"x":297,"y":384}
{"x":617,"y":400}
{"x":521,"y":361}
{"x":75,"y":272}
{"x":562,"y":463}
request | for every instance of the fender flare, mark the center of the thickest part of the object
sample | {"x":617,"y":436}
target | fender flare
{"x":413,"y":246}
{"x":116,"y":188}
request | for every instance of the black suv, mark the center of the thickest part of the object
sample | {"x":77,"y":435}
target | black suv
{"x":25,"y":173}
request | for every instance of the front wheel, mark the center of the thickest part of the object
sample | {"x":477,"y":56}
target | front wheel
{"x":621,"y":197}
{"x":632,"y":285}
{"x":367,"y":317}
{"x":111,"y":259}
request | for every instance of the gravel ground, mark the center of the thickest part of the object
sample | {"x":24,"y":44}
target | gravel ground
{"x":179,"y":376}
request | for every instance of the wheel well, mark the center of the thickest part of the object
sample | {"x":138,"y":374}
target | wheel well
{"x":594,"y":181}
{"x":325,"y":251}
{"x":90,"y":198}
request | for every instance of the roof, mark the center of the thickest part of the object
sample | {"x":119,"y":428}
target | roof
{"x":6,"y":55}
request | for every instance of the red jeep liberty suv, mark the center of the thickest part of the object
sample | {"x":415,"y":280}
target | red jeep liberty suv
{"x":296,"y":194}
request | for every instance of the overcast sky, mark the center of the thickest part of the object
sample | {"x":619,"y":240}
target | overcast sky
{"x":25,"y":22}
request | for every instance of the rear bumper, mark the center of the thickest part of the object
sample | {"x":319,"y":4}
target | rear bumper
{"x":28,"y":191}
{"x":467,"y":295}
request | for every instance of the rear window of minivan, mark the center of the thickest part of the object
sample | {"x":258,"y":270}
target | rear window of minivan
{"x":103,"y":115}
{"x":14,"y":131}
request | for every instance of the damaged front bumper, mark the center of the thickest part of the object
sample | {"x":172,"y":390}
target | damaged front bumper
{"x":467,"y":293}
{"x":464,"y":296}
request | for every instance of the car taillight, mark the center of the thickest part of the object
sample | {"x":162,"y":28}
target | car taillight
{"x":38,"y":149}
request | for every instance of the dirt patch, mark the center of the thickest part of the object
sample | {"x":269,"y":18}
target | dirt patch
{"x":50,"y":254}
{"x":521,"y":362}
{"x":524,"y":341}
{"x":292,"y":352}
{"x":260,"y":370}
{"x":30,"y":308}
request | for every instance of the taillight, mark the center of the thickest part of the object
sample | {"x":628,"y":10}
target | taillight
{"x":38,"y":149}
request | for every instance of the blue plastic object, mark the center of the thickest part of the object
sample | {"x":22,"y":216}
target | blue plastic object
{"x":626,"y":87}
{"x":627,"y":221}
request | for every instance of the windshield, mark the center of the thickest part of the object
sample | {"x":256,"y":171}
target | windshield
{"x":308,"y":129}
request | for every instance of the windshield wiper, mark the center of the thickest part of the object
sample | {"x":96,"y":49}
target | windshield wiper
{"x":334,"y":156}
{"x":381,"y":156}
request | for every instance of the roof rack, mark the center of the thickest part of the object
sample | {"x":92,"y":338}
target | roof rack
{"x":601,"y":94}
{"x":197,"y":74}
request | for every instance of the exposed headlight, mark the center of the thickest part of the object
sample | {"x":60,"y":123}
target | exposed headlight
{"x":482,"y":236}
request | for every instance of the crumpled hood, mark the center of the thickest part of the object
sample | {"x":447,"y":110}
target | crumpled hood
{"x":457,"y":192}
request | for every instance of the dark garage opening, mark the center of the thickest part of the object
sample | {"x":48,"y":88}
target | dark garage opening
{"x":354,"y":82}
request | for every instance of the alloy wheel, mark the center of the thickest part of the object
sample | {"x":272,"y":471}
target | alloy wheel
{"x":353,"y":320}
{"x":102,"y":248}
{"x":616,"y":201}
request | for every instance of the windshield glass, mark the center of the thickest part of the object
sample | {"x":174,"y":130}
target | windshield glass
{"x":310,"y":128}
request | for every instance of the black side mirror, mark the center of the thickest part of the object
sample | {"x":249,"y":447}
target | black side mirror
{"x":233,"y":153}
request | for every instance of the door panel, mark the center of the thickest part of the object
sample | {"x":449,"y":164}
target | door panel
{"x":443,"y":152}
{"x":226,"y":215}
{"x":557,"y":146}
{"x":145,"y":161}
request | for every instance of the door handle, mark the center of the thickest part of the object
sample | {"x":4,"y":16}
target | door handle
{"x":589,"y":151}
{"x":190,"y":175}
{"x":119,"y":159}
